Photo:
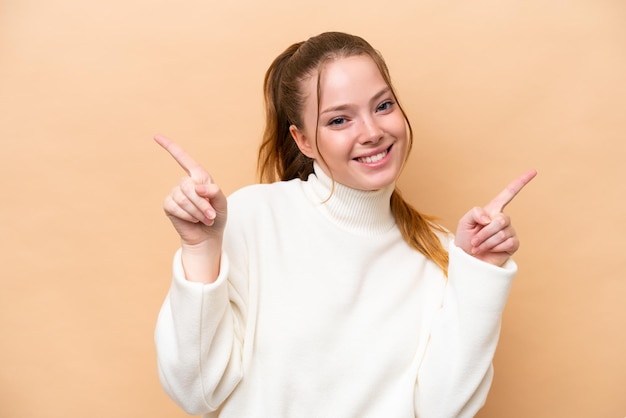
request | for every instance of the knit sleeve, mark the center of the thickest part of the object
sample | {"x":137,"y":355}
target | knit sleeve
{"x":456,"y":370}
{"x":199,"y":340}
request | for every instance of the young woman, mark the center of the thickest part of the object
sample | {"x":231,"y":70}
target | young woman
{"x":326,"y":294}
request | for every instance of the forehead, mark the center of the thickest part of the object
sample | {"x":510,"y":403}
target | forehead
{"x":344,"y":78}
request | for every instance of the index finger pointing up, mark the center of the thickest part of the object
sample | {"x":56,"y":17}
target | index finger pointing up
{"x":504,"y":198}
{"x":183,"y":159}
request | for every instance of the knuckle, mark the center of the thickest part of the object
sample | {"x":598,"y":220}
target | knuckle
{"x":186,"y":185}
{"x":169,"y":204}
{"x":502,"y":221}
{"x":180,"y":199}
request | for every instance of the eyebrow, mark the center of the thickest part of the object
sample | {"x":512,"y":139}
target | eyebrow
{"x":342,"y":107}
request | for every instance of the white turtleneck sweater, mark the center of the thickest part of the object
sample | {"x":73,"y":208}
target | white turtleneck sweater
{"x":322,"y":310}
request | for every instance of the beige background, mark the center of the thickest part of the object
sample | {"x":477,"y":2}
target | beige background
{"x":492,"y":87}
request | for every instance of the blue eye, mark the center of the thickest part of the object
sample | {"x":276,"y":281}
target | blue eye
{"x":384,"y":106}
{"x":337,"y":121}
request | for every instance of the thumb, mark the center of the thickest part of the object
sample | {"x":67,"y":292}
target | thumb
{"x":472,"y":222}
{"x":214,"y":194}
{"x":476,"y":217}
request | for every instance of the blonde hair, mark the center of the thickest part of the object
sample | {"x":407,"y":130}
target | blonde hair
{"x":279,"y":156}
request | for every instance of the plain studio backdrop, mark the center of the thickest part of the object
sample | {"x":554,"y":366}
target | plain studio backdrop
{"x":492,"y":88}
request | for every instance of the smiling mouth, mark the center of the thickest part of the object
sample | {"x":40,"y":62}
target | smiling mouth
{"x":374,"y":158}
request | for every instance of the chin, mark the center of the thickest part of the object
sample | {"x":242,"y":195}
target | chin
{"x":376,"y":185}
{"x":384,"y":180}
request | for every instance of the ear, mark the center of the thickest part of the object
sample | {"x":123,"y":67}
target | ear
{"x":305,"y":145}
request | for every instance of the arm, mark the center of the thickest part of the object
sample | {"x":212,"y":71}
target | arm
{"x":199,"y":342}
{"x":456,"y":370}
{"x":197,"y":209}
{"x":198,"y":333}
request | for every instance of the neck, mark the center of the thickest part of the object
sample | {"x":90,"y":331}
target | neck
{"x":360,"y":211}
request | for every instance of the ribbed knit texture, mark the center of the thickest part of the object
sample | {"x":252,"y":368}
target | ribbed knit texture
{"x":361,"y":212}
{"x":321,"y":309}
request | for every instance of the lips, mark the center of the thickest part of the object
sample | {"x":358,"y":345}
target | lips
{"x":373,"y":158}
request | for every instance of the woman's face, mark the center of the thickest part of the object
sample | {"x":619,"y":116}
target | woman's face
{"x":361,"y":134}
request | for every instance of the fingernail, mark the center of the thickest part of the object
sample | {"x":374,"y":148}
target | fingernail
{"x":485,"y":219}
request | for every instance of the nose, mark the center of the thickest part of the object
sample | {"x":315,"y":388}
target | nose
{"x":371,"y":131}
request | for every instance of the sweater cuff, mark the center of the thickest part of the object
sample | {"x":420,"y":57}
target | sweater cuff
{"x":483,"y":285}
{"x":181,"y":282}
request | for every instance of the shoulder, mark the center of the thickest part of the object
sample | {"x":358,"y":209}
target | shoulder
{"x":265,"y":192}
{"x":265,"y":198}
{"x":263,"y":206}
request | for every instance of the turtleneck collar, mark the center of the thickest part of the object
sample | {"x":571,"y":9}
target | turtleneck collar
{"x":359,"y":211}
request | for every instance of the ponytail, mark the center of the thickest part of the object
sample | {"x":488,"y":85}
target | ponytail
{"x":419,"y":231}
{"x":279,"y":156}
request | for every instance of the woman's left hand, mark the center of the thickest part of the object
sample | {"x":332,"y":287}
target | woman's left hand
{"x":486,"y":233}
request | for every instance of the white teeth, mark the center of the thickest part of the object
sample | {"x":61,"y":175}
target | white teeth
{"x":372,"y":158}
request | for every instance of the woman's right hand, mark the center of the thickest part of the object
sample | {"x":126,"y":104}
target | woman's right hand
{"x":197,"y":209}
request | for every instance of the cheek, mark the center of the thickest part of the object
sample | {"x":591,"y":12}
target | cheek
{"x":402,"y":134}
{"x":333,"y":142}
{"x":344,"y":146}
{"x":401,"y":126}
